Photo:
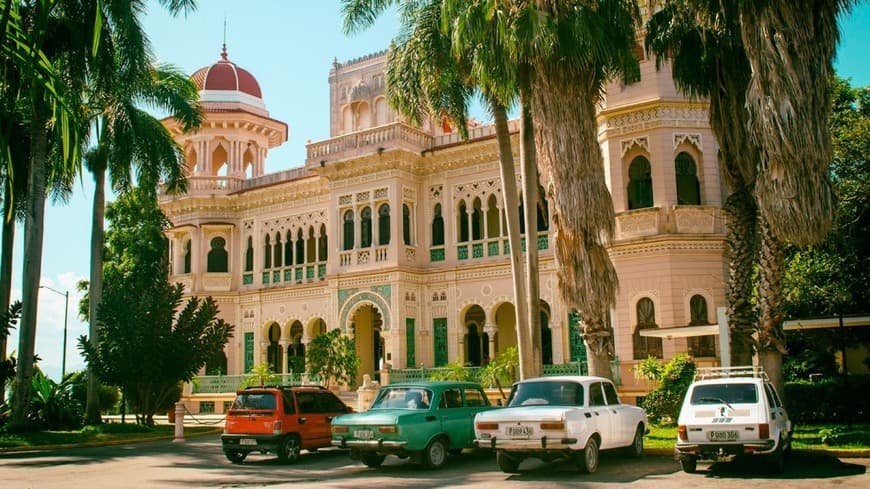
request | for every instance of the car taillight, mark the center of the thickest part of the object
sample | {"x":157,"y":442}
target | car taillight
{"x":277,"y":427}
{"x":339,"y":429}
{"x":553,"y":426}
{"x":487,"y":426}
{"x":682,"y":433}
{"x":763,"y":431}
{"x":387,"y":429}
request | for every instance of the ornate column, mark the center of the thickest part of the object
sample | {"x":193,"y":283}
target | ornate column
{"x":491,"y":330}
{"x":284,"y":358}
{"x":264,"y":352}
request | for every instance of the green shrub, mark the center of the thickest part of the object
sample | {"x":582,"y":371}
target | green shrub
{"x":115,"y":428}
{"x":452,"y":371}
{"x":672,"y":380}
{"x":828,"y":400}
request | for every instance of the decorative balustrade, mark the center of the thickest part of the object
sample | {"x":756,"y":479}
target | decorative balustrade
{"x":474,"y":373}
{"x":389,"y":136}
{"x":381,"y":254}
{"x":638,"y":223}
{"x":696,"y":219}
{"x":221,"y":384}
{"x":280,"y":176}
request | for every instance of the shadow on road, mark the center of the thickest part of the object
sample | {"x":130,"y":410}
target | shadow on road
{"x":797,"y":466}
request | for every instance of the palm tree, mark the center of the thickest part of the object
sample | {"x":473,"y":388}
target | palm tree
{"x":130,"y":139}
{"x":427,"y":72}
{"x":574,"y":48}
{"x":701,"y":40}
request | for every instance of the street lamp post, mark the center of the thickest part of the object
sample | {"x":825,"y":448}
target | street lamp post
{"x":65,"y":317}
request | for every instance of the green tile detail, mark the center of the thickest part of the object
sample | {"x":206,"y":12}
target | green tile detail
{"x":507,"y":247}
{"x":276,"y":277}
{"x":462,"y":252}
{"x":288,"y":274}
{"x":321,"y":270}
{"x":266,"y":276}
{"x":492,"y":248}
{"x":543,"y":242}
{"x":523,"y":243}
{"x":309,"y":272}
{"x":436,"y":254}
{"x":298,"y":274}
{"x":248,"y":279}
{"x":477,"y":250}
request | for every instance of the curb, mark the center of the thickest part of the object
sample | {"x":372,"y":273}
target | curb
{"x":834,"y":452}
{"x":106,"y":443}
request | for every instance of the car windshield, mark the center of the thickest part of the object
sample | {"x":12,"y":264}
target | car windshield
{"x":403,"y":398}
{"x":733,"y":393}
{"x":547,"y":393}
{"x":254,"y":400}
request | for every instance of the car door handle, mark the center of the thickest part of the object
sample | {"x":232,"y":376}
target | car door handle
{"x":302,"y":420}
{"x":329,"y":418}
{"x":613,"y":411}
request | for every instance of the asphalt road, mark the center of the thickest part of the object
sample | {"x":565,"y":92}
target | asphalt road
{"x":200,"y":463}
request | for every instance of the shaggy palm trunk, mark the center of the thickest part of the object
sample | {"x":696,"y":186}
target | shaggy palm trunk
{"x":771,"y":338}
{"x":740,"y":248}
{"x":95,"y":289}
{"x":563,"y":109}
{"x":790,"y":45}
{"x":6,"y":265}
{"x":529,"y":169}
{"x":31,"y":266}
{"x":511,"y":203}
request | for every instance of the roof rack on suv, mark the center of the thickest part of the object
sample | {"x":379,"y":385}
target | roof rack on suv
{"x":724,"y":372}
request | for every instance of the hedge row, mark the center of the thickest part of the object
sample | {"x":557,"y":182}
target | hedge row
{"x":829,"y":400}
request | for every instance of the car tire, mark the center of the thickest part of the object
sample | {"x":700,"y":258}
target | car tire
{"x":776,"y":460}
{"x":635,"y":450}
{"x":288,"y":452}
{"x":689,"y":464}
{"x":435,"y":454}
{"x":508,"y":464}
{"x":371,"y":459}
{"x":587,"y":459}
{"x":236,"y":456}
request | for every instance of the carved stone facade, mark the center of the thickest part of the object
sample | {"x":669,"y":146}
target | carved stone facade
{"x":395,"y":235}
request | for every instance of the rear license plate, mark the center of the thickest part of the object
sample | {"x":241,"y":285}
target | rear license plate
{"x":364,"y":434}
{"x":519,"y":431}
{"x":722,"y":436}
{"x":248,"y":442}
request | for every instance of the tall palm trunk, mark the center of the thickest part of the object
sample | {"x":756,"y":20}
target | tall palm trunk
{"x":529,"y":170}
{"x":32,"y":263}
{"x":563,"y":109}
{"x":95,"y":290}
{"x":6,"y":263}
{"x":740,"y":248}
{"x":771,"y":339}
{"x":511,"y":204}
{"x":790,"y":45}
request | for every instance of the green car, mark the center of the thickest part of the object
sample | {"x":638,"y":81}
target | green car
{"x":421,"y":420}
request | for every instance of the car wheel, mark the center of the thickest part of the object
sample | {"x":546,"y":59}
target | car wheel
{"x":776,"y":460}
{"x":689,"y":464}
{"x":508,"y":463}
{"x":435,"y":454}
{"x":372,"y":460}
{"x":236,"y":456}
{"x":588,"y":458}
{"x":635,"y":450}
{"x":289,"y":450}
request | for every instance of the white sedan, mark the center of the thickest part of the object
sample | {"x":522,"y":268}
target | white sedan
{"x":561,"y":417}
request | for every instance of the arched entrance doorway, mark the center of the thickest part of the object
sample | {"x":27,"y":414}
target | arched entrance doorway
{"x":367,"y":324}
{"x":296,"y":349}
{"x":506,"y":324}
{"x":546,"y":335}
{"x":273,"y":352}
{"x":476,"y":339}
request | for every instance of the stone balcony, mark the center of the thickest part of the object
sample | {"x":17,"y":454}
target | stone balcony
{"x":396,"y":135}
{"x":678,"y":219}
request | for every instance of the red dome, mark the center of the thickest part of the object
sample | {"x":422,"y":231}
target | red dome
{"x":225,"y":75}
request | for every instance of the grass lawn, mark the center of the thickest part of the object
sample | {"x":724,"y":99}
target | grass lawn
{"x":813,"y":436}
{"x":108,"y":433}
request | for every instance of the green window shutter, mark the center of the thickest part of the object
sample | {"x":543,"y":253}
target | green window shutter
{"x":575,"y":338}
{"x":249,"y":352}
{"x":440,"y":332}
{"x":410,"y":343}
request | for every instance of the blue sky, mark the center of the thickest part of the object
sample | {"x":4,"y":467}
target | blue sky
{"x":289,"y":47}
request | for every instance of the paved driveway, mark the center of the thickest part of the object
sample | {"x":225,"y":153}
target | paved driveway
{"x":200,"y":463}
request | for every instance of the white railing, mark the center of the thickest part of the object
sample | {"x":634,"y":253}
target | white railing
{"x":388,"y":136}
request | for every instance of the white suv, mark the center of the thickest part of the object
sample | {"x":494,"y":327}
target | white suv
{"x":729,"y":412}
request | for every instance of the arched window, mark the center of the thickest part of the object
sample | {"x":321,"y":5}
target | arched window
{"x":249,"y":255}
{"x":437,"y":227}
{"x":187,"y":256}
{"x":267,"y":253}
{"x":384,"y":225}
{"x":365,"y":228}
{"x":700,"y":346}
{"x":300,"y":248}
{"x":276,"y":251}
{"x":322,"y":247}
{"x":311,"y":247}
{"x":347,"y":231}
{"x":640,"y":193}
{"x":543,"y":214}
{"x":288,"y":250}
{"x":646,"y":319}
{"x":492,"y":217}
{"x":217,"y":256}
{"x":688,"y":190}
{"x":477,"y":221}
{"x":462,"y":222}
{"x":406,"y":224}
{"x":522,"y":216}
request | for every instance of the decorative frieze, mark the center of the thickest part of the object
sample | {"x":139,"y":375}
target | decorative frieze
{"x":690,"y":138}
